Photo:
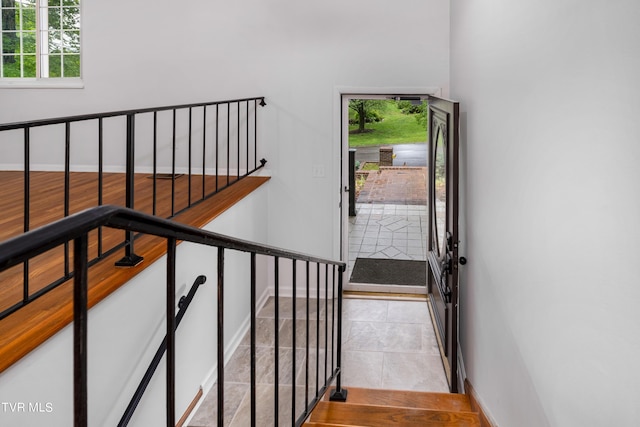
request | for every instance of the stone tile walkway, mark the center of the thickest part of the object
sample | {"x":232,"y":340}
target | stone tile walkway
{"x":388,"y":231}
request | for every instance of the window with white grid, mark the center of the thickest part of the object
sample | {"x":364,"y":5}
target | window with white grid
{"x":40,"y":39}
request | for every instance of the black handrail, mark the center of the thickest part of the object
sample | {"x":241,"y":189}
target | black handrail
{"x":19,"y":249}
{"x":184,"y":303}
{"x":84,"y":117}
{"x":247,"y":128}
{"x":77,"y":227}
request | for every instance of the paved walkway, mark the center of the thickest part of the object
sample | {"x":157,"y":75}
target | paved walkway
{"x":395,"y":185}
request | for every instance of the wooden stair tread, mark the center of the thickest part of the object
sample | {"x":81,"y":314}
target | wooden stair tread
{"x":312,"y":424}
{"x":409,"y":399}
{"x":352,"y":414}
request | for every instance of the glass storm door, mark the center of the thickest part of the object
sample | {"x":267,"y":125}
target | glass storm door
{"x":443,"y":241}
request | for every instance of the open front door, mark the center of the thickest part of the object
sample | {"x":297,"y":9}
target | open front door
{"x":443,"y":241}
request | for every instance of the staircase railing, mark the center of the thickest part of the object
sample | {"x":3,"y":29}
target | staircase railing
{"x":183,"y":305}
{"x":76,"y":229}
{"x":219,"y":140}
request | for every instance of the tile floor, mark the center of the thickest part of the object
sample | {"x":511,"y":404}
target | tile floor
{"x":388,"y":231}
{"x":391,"y":345}
{"x":237,"y":370}
{"x":387,"y":344}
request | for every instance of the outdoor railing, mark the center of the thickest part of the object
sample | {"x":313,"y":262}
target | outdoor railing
{"x":177,"y":156}
{"x":328,"y":340}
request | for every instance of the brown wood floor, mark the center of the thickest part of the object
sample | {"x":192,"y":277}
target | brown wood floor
{"x":384,"y":408}
{"x":26,"y":329}
{"x":47,"y":205}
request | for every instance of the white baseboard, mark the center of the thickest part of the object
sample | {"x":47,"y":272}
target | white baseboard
{"x":462,"y":372}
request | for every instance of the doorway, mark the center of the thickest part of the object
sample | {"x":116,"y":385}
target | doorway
{"x":385,"y":241}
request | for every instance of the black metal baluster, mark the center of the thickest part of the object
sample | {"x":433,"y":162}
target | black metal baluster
{"x":130,"y":258}
{"x":333,"y":319}
{"x":238,"y":150}
{"x":220,"y":333}
{"x":276,"y":358}
{"x":80,"y":407}
{"x":155,"y":161}
{"x":247,"y":121}
{"x":326,"y":320}
{"x":306,"y":368}
{"x":189,"y":184}
{"x":27,"y":207}
{"x":67,"y":186}
{"x":317,"y":328}
{"x":171,"y":331}
{"x":255,"y":133}
{"x":173,"y":167}
{"x":204,"y":149}
{"x":217,"y":145}
{"x":339,"y":394}
{"x":253,"y":339}
{"x":100,"y":177}
{"x":293,"y":347}
{"x":228,"y":141}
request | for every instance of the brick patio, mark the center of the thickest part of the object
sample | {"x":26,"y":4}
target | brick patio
{"x":401,"y":185}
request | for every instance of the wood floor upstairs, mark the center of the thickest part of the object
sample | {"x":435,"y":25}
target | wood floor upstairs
{"x":32,"y":325}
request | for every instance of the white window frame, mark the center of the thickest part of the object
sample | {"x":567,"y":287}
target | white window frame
{"x":42,"y":60}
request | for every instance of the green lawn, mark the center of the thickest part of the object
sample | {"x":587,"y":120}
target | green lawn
{"x":396,"y":128}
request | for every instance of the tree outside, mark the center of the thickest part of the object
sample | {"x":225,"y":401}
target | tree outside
{"x":25,"y":54}
{"x":367,"y":110}
{"x":386,"y":122}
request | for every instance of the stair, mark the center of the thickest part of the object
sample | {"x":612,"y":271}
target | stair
{"x":384,"y":408}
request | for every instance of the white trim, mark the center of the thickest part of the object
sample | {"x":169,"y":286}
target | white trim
{"x":383,"y":92}
{"x":44,"y":83}
{"x":340,"y":95}
{"x":397,"y":289}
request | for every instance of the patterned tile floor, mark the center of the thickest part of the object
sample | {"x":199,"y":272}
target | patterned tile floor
{"x":388,"y":231}
{"x":387,"y":344}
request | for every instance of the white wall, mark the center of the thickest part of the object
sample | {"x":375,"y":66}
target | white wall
{"x":142,"y":54}
{"x":322,"y":47}
{"x":126,"y":328}
{"x":550,"y":103}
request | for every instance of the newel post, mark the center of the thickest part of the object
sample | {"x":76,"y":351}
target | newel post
{"x":339,"y":394}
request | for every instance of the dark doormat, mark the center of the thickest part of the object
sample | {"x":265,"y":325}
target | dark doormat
{"x":389,"y":272}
